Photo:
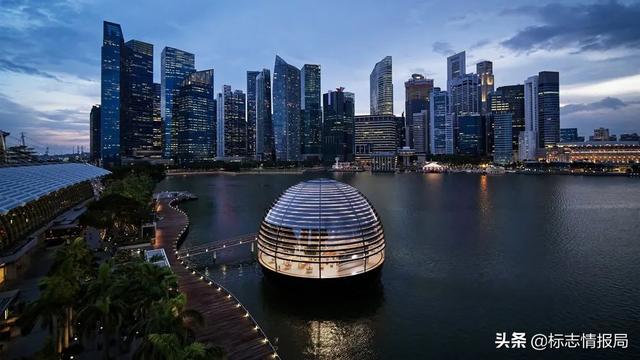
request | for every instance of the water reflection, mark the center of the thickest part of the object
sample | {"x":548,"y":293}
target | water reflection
{"x":312,"y":308}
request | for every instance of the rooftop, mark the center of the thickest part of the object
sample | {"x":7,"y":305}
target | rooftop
{"x":21,"y":184}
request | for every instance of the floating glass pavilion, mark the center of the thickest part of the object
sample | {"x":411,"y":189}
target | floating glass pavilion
{"x":321,"y":229}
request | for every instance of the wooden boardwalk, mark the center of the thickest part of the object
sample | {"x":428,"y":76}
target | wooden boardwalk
{"x":227,"y":322}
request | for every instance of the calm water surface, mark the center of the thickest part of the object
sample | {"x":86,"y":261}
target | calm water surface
{"x":467,"y":256}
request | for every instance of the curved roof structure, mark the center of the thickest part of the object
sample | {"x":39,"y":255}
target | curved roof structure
{"x":321,"y":229}
{"x":22,"y":184}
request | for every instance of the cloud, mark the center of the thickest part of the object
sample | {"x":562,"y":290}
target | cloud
{"x":583,"y":27}
{"x":609,"y":103}
{"x":479,"y":44}
{"x":618,"y":118}
{"x":7,"y":65}
{"x":443,"y":48}
{"x":57,"y":129}
{"x":624,"y":87}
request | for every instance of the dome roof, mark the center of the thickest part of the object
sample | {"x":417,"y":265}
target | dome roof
{"x":325,"y":227}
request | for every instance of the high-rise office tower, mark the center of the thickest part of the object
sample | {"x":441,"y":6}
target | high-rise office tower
{"x":456,"y":66}
{"x":251,"y":113}
{"x":441,"y":124}
{"x":94,"y":132}
{"x":338,"y":127}
{"x":510,"y":98}
{"x":264,"y":127}
{"x":375,"y":134}
{"x":157,"y":120}
{"x":420,"y":132}
{"x":286,"y":110}
{"x":471,"y":134}
{"x":502,"y":137}
{"x":528,"y":139}
{"x":484,"y":70}
{"x":381,"y":88}
{"x":111,"y":55}
{"x":193,"y":118}
{"x":548,"y":108}
{"x":465,"y":94}
{"x":232,"y":123}
{"x":136,"y":93}
{"x":311,"y":107}
{"x":417,"y":91}
{"x":175,"y":66}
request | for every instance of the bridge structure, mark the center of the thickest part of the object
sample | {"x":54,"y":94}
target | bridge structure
{"x":211,"y":249}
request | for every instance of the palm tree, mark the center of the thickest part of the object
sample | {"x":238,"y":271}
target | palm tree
{"x":104,"y":310}
{"x":166,"y":317}
{"x":60,"y":292}
{"x":169,"y":347}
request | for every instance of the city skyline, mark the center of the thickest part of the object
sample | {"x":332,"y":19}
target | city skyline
{"x":597,"y":84}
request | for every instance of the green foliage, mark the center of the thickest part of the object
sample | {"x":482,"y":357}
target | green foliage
{"x":135,"y":187}
{"x":121,"y":303}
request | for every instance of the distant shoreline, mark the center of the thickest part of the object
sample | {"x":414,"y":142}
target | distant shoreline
{"x":304,"y":171}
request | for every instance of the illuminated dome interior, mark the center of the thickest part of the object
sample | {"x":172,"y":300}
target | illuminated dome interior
{"x":321,"y":229}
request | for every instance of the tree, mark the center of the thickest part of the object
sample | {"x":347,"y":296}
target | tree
{"x":55,"y":309}
{"x":104,"y":310}
{"x":119,"y":216}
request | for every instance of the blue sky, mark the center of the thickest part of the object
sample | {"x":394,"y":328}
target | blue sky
{"x":50,"y":50}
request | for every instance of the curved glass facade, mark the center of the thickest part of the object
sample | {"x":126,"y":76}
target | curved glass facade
{"x":321,"y":229}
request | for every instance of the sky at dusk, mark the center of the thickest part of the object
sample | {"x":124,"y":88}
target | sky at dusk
{"x":50,"y":51}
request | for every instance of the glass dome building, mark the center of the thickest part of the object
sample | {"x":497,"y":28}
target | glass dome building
{"x":321,"y":229}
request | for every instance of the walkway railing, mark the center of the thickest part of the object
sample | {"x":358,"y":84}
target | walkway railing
{"x":210,"y":247}
{"x":218,"y":287}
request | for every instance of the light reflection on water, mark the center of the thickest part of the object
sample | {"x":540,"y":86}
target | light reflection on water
{"x":467,"y":256}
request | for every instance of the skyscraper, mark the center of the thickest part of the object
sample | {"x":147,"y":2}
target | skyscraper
{"x":232,"y":123}
{"x":286,"y":110}
{"x":510,"y":98}
{"x":420,"y":132}
{"x":502,"y":137}
{"x":471,"y":134}
{"x":193,"y":118}
{"x":157,"y":120}
{"x":175,"y":66}
{"x":94,"y":132}
{"x":375,"y":134}
{"x":465,"y":94}
{"x":528,"y":139}
{"x":264,"y":127}
{"x":548,"y":108}
{"x":381,"y":88}
{"x":484,"y":69}
{"x":251,"y":113}
{"x":338,"y":127}
{"x":136,"y":94}
{"x":441,"y":124}
{"x":417,"y":92}
{"x":111,"y":54}
{"x":456,"y":66}
{"x":311,"y":108}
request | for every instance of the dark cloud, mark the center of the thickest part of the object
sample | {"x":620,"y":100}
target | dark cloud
{"x":6,"y":65}
{"x":584,"y":27}
{"x":442,"y":48}
{"x":47,"y":36}
{"x":609,"y":103}
{"x":618,"y":120}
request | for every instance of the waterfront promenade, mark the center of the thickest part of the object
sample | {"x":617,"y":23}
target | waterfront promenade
{"x":227,"y":322}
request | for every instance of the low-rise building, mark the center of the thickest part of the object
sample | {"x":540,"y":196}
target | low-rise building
{"x":614,"y":152}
